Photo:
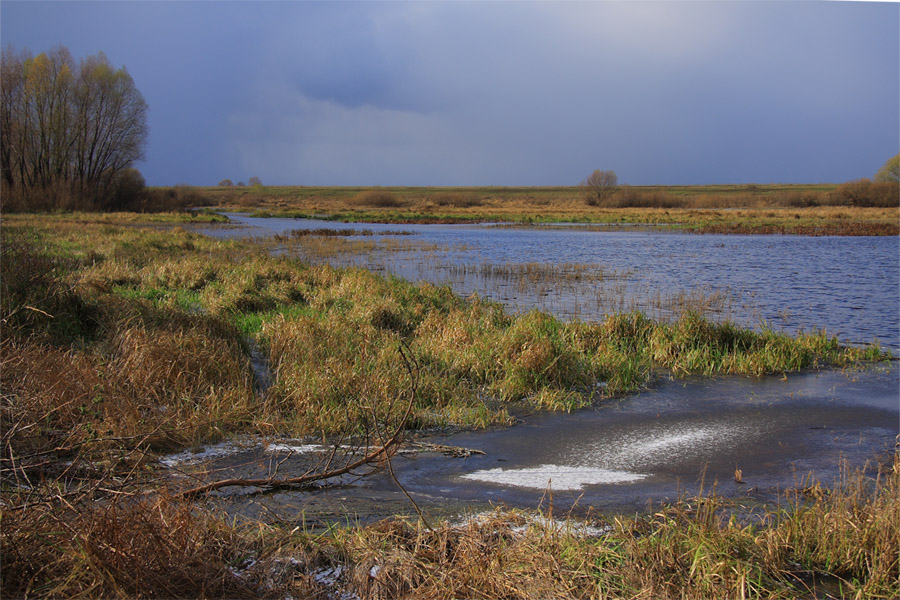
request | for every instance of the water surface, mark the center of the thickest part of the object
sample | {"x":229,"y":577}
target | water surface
{"x":849,"y":286}
{"x":681,"y":436}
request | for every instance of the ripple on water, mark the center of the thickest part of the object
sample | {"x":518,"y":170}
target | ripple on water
{"x":656,"y":444}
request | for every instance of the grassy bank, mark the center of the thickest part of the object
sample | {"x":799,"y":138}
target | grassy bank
{"x":835,"y":542}
{"x":140,"y":302}
{"x":120,"y":342}
{"x":847,"y":209}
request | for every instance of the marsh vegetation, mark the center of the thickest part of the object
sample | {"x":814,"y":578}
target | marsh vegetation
{"x":123,"y":340}
{"x":854,"y":208}
{"x":790,"y":283}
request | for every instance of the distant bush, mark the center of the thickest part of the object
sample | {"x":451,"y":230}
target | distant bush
{"x":800,"y":199}
{"x":125,"y":190}
{"x":225,"y":183}
{"x":376,"y":198}
{"x":457,"y":199}
{"x":628,"y":197}
{"x":866,"y":193}
{"x":180,"y":197}
{"x":128,"y":187}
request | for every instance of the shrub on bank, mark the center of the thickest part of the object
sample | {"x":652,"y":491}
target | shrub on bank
{"x":867,"y":193}
{"x":376,"y":199}
{"x":629,"y":197}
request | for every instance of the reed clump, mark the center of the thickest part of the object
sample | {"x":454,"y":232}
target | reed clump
{"x":346,"y":232}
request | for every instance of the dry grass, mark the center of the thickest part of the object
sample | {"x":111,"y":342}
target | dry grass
{"x":872,"y":208}
{"x":123,"y":549}
{"x":843,"y":536}
{"x":695,"y":548}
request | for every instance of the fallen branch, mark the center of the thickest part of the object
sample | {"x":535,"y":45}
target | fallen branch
{"x":378,"y":455}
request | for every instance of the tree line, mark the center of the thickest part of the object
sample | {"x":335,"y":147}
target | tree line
{"x":70,"y":132}
{"x":254,"y":182}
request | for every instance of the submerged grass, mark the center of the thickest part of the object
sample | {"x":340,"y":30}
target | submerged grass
{"x":121,"y":342}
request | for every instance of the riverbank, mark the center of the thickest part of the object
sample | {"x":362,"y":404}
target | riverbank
{"x":122,"y":342}
{"x":822,"y":209}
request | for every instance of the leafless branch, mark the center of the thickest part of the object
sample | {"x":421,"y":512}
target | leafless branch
{"x":372,"y":457}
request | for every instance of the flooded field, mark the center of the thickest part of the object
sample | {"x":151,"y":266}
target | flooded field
{"x":850,"y":286}
{"x":153,"y":372}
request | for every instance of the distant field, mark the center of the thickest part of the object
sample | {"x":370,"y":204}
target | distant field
{"x":814,"y":209}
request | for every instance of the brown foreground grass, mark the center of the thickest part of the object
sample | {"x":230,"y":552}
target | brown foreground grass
{"x":841,"y":540}
{"x":120,"y":342}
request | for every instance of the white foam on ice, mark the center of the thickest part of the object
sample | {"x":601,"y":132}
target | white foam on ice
{"x":296,"y":448}
{"x":190,"y":456}
{"x":556,"y":477}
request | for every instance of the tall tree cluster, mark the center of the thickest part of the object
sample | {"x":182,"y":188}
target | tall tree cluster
{"x":70,"y":132}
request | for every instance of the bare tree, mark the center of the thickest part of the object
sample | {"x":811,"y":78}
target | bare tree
{"x":255,"y":181}
{"x":599,"y":186}
{"x":225,"y":183}
{"x":12,"y":117}
{"x":69,"y":130}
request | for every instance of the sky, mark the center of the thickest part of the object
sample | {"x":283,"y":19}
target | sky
{"x":495,"y":93}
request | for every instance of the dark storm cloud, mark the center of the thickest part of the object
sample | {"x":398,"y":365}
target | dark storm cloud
{"x":497,"y":93}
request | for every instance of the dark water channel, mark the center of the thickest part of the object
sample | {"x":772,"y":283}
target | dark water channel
{"x":650,"y":446}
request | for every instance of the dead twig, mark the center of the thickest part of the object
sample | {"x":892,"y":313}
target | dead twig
{"x":414,"y":382}
{"x":371,"y":457}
